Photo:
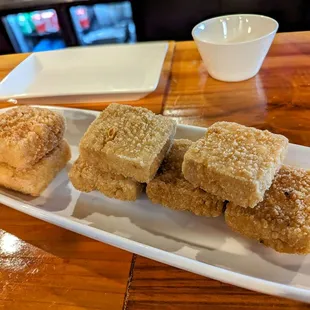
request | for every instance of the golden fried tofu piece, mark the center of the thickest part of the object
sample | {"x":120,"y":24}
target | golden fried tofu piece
{"x":130,"y":141}
{"x":86,"y":177}
{"x":234,"y":162}
{"x":27,"y":134}
{"x":170,"y":189}
{"x":34,"y":180}
{"x":282,"y":220}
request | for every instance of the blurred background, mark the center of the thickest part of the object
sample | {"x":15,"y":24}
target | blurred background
{"x":42,"y":25}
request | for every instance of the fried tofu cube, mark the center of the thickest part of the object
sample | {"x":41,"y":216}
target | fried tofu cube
{"x":34,"y":180}
{"x":170,"y":189}
{"x":234,"y":162}
{"x":27,"y":134}
{"x":130,"y":141}
{"x":282,"y":220}
{"x":86,"y":177}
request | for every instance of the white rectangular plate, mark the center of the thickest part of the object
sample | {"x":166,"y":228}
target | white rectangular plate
{"x":120,"y":72}
{"x":201,"y":245}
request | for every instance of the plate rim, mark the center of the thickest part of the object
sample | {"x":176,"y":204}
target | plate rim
{"x":142,"y":90}
{"x":169,"y":258}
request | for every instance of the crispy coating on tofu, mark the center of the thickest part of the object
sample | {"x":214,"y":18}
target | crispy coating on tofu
{"x":170,"y":189}
{"x":235,"y":162}
{"x":27,"y":134}
{"x":130,"y":141}
{"x":87,"y":177}
{"x":34,"y":180}
{"x":282,"y":220}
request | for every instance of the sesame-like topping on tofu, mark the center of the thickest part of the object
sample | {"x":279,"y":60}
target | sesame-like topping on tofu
{"x":282,"y":219}
{"x":241,"y":151}
{"x":134,"y":133}
{"x":27,"y":134}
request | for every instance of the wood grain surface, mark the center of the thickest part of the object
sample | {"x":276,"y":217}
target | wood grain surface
{"x":43,"y":266}
{"x":278,"y":98}
{"x":158,"y":286}
{"x":152,"y":101}
{"x":46,"y":267}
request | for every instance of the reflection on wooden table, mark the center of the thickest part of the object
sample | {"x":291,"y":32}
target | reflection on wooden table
{"x":276,"y":99}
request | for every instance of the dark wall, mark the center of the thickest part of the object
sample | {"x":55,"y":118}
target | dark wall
{"x":5,"y":46}
{"x":170,"y":19}
{"x":174,"y":19}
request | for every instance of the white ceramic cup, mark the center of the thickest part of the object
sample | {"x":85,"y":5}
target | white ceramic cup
{"x":233,"y":47}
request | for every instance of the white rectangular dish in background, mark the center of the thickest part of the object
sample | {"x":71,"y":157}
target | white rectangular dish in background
{"x":118,"y":72}
{"x":205,"y":246}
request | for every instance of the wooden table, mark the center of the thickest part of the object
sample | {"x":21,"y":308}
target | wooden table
{"x":46,"y":267}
